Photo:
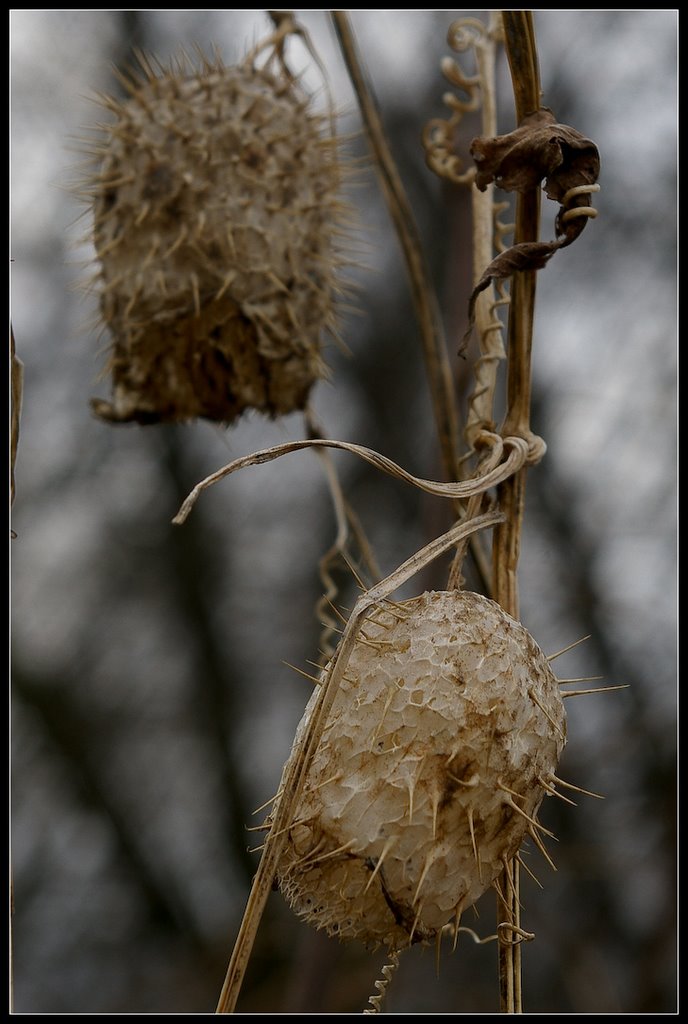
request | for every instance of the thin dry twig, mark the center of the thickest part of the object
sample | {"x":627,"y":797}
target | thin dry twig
{"x":17,"y":388}
{"x":489,"y":326}
{"x":488,"y":462}
{"x":348,"y":528}
{"x":519,"y":37}
{"x":424,"y":296}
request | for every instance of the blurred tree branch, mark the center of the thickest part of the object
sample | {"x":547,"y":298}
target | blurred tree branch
{"x":71,"y":732}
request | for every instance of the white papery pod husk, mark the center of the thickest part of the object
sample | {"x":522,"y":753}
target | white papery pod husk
{"x":429,"y":773}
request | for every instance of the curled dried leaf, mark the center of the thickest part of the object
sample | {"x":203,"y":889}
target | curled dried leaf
{"x":538,"y":150}
{"x":524,"y":256}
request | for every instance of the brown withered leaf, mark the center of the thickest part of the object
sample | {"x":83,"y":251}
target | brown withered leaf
{"x":524,"y":256}
{"x":538,"y":149}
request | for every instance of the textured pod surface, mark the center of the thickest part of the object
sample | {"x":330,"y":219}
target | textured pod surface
{"x":429,"y":773}
{"x":215,"y":206}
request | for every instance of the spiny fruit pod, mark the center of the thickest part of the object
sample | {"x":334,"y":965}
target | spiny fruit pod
{"x":441,"y":744}
{"x":215,"y":221}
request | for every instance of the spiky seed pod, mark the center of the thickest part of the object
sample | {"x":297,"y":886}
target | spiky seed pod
{"x":215,"y":210}
{"x":429,"y":773}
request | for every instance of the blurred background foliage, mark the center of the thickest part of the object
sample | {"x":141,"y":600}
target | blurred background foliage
{"x":152,"y":709}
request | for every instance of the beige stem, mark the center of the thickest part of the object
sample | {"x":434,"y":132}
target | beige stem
{"x":519,"y":34}
{"x":424,"y":297}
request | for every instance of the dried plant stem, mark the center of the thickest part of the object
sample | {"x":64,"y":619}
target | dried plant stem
{"x":486,"y":465}
{"x":17,"y":386}
{"x":519,"y":34}
{"x":503,"y":468}
{"x":424,"y":296}
{"x":489,"y":328}
{"x":348,"y":528}
{"x":293,"y":783}
{"x":488,"y":325}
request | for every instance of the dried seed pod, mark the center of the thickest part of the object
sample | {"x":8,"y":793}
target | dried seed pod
{"x":215,"y":210}
{"x":440,"y":745}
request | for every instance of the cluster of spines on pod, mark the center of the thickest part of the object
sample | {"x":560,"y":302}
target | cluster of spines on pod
{"x":219,"y":233}
{"x":441,"y":744}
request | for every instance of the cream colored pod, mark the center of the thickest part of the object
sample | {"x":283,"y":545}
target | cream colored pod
{"x":441,"y":742}
{"x":215,"y":209}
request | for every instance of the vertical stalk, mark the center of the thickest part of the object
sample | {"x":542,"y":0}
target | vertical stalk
{"x":519,"y":37}
{"x":424,"y":297}
{"x":481,"y":401}
{"x":16,"y":389}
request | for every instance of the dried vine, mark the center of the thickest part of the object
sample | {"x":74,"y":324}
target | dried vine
{"x":538,"y":149}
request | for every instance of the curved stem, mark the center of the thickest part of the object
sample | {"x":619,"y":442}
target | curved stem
{"x":501,"y":470}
